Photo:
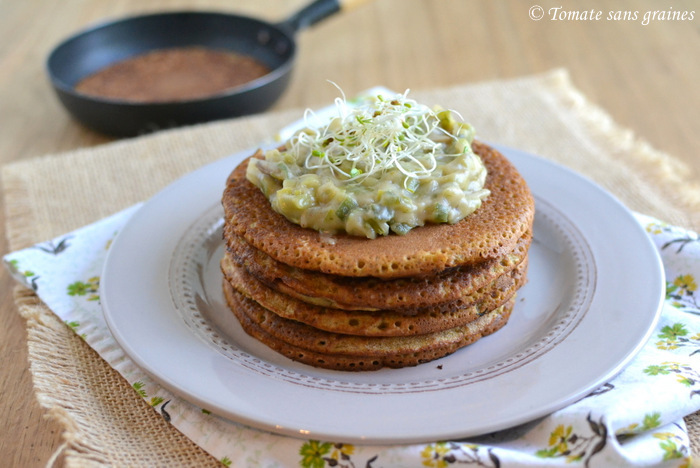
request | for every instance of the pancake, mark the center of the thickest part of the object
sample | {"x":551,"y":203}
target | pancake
{"x":378,"y":323}
{"x":308,"y":345}
{"x":352,"y":293}
{"x":491,"y":232}
{"x":351,"y":303}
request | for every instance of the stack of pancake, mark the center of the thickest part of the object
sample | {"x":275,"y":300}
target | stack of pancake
{"x":350,"y":303}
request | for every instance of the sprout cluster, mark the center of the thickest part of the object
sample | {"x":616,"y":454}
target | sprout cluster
{"x":364,"y":141}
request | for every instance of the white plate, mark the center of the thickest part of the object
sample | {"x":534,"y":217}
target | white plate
{"x":594,"y":294}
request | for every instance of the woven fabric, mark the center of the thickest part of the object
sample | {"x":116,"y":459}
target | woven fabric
{"x":54,"y":194}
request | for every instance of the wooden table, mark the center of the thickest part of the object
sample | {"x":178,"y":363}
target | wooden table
{"x":645,"y":76}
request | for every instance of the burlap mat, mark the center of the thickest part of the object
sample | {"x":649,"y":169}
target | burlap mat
{"x":107,"y":422}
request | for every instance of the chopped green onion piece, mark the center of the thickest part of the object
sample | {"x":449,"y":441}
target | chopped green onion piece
{"x":379,"y":228}
{"x":441,"y":212}
{"x":283,"y":169}
{"x":411,"y":184}
{"x":401,"y":228}
{"x":345,"y":208}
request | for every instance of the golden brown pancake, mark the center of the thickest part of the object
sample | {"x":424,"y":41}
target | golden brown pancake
{"x":352,"y":293}
{"x":489,"y":233}
{"x":378,"y":323}
{"x":306,"y":344}
{"x":351,"y":303}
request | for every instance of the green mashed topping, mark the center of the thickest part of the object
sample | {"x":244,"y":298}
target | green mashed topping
{"x":386,"y":165}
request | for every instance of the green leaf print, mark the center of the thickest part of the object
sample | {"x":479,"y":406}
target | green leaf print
{"x":28,"y":274}
{"x":684,"y":380}
{"x":673,"y":332}
{"x":312,"y":453}
{"x":670,"y":447}
{"x":650,"y":421}
{"x":156,"y":400}
{"x":88,"y":288}
{"x":685,"y":374}
{"x":676,"y":336}
{"x":657,"y":370}
{"x":138,"y":386}
{"x":670,"y":450}
{"x":78,"y":289}
{"x":74,"y":325}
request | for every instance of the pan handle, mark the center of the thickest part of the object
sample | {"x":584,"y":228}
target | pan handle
{"x":317,"y":11}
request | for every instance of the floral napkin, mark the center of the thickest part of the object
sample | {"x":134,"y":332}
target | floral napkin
{"x":636,"y":419}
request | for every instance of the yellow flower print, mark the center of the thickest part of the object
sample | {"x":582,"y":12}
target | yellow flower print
{"x":342,"y":451}
{"x":559,"y":436}
{"x":681,"y":291}
{"x":433,"y":455}
{"x":655,"y":228}
{"x":686,"y":282}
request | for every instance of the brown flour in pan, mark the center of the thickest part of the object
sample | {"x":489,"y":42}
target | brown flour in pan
{"x":171,"y":75}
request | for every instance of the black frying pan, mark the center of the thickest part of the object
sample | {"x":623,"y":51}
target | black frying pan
{"x":96,"y":48}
